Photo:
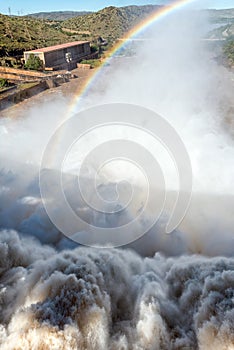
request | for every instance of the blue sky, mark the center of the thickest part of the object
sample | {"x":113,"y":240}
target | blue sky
{"x":30,"y":6}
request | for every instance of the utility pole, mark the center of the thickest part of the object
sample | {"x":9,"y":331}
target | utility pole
{"x":9,"y":11}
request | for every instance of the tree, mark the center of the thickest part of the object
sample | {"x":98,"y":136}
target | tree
{"x":34,"y":62}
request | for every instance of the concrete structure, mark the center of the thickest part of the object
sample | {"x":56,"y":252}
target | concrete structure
{"x":62,"y":56}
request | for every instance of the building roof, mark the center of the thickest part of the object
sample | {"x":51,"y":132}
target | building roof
{"x":59,"y":47}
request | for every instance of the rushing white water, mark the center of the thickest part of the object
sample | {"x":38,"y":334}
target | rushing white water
{"x":112,"y":299}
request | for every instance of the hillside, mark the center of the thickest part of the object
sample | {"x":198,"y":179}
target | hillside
{"x":23,"y":33}
{"x":224,"y":30}
{"x":229,"y":52}
{"x":221,"y":16}
{"x":58,"y":15}
{"x":111,"y":22}
{"x":18,"y":34}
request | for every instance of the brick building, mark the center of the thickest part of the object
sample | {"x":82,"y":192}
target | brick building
{"x":62,"y":56}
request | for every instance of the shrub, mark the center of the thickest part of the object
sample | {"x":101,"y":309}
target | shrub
{"x":34,"y":63}
{"x":94,"y":48}
{"x":93,"y":63}
{"x":3,"y":83}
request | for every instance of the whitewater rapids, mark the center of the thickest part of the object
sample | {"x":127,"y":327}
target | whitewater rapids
{"x":112,"y":299}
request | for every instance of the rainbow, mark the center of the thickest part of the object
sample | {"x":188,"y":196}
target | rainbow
{"x":138,"y":29}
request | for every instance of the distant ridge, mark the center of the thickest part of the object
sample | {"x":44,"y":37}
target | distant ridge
{"x":58,"y":15}
{"x":221,"y":16}
{"x":111,"y":22}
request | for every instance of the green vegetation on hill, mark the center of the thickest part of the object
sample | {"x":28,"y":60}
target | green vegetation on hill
{"x":18,"y":34}
{"x":224,"y":31}
{"x":111,"y":22}
{"x":58,"y":15}
{"x":229,"y":51}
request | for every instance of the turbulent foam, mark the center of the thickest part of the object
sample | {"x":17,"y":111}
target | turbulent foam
{"x":112,"y":299}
